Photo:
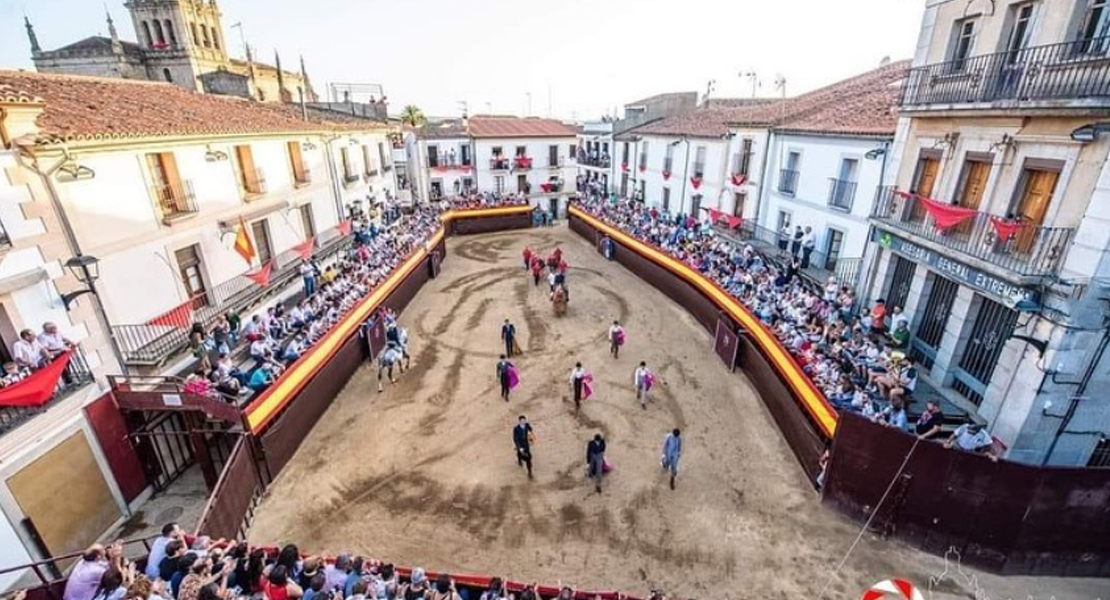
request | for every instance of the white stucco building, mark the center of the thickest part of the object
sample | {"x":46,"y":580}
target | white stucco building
{"x":596,"y":159}
{"x":1003,"y":117}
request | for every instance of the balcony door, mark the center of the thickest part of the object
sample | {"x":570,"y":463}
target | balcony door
{"x":166,"y":181}
{"x":262,"y":245}
{"x":1037,"y":188}
{"x":973,"y":186}
{"x":433,"y":157}
{"x":925,"y":182}
{"x":189,"y":268}
{"x":833,"y":246}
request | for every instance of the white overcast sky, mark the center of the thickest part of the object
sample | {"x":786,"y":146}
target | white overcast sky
{"x":588,"y":57}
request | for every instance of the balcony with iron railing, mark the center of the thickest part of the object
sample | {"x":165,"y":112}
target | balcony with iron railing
{"x":253,"y":183}
{"x":841,"y":194}
{"x":522,"y":163}
{"x":788,"y":181}
{"x":821,"y":266}
{"x":163,"y":336}
{"x":76,"y":376}
{"x":175,"y":200}
{"x":499,"y":163}
{"x":587,"y":160}
{"x":1033,"y":251}
{"x":1070,"y":74}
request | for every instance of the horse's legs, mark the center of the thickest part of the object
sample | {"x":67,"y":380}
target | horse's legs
{"x":380,"y":368}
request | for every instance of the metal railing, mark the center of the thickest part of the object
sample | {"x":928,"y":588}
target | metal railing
{"x":175,"y":199}
{"x":593,"y":161}
{"x":699,"y":170}
{"x":77,"y":375}
{"x":254,"y":182}
{"x":522,"y":163}
{"x":49,"y":572}
{"x":1034,"y":251}
{"x":498,"y":163}
{"x":157,"y":339}
{"x":1068,"y":71}
{"x":766,"y":241}
{"x":788,"y":181}
{"x":668,"y":166}
{"x":841,"y":193}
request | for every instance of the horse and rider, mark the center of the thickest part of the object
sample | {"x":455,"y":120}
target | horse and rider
{"x":396,"y":352}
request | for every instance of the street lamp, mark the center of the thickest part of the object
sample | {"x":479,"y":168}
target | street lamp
{"x":86,"y":269}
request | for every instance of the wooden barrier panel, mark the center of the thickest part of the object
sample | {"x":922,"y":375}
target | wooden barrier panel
{"x":240,"y":486}
{"x":1005,"y":517}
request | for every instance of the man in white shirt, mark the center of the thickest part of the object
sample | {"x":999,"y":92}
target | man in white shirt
{"x":809,"y":243}
{"x":29,"y":351}
{"x":55,"y":343}
{"x":641,"y":379}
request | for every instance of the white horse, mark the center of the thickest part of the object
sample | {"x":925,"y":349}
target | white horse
{"x":395,"y":353}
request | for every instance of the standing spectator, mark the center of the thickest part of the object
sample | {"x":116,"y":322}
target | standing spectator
{"x":796,"y":241}
{"x":897,"y":316}
{"x":29,"y":352}
{"x":84,"y":580}
{"x":308,"y":275}
{"x":504,"y":367}
{"x":54,"y":342}
{"x":508,"y":335}
{"x":595,"y":460}
{"x":672,"y":452}
{"x":878,"y":318}
{"x":171,"y":561}
{"x":929,"y":423}
{"x":809,"y":243}
{"x":784,"y":238}
{"x":170,"y":532}
{"x":522,"y":441}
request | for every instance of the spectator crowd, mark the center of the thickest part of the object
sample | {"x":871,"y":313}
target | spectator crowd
{"x":185,"y":567}
{"x":857,"y":357}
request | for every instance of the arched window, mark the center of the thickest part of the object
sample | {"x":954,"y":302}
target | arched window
{"x":196,"y":38}
{"x":170,"y":33}
{"x":146,"y":35}
{"x":167,"y":75}
{"x":159,"y":35}
{"x":207,"y":40}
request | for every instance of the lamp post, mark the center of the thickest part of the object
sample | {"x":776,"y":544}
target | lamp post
{"x":86,"y":270}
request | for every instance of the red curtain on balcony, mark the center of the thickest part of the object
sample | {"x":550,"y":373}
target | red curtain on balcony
{"x":37,"y":389}
{"x":696,"y":182}
{"x":306,"y":247}
{"x":182,"y":316}
{"x":946,"y":216}
{"x":344,"y":228}
{"x":1006,"y":229}
{"x":262,"y":276}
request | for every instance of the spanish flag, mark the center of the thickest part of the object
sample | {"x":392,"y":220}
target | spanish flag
{"x":243,"y":244}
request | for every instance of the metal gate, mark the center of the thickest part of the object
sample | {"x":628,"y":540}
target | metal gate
{"x":993,"y":325}
{"x":165,"y":452}
{"x":930,"y":329}
{"x":899,"y":290}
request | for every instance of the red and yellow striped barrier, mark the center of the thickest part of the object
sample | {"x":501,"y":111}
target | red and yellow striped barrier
{"x":811,"y":399}
{"x":262,"y":411}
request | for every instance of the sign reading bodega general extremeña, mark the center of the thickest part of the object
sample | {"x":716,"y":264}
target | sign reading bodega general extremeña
{"x":1008,"y":293}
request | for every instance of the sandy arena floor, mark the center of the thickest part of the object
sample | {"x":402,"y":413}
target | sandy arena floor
{"x":424,"y":474}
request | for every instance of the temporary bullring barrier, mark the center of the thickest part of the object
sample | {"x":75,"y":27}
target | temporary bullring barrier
{"x":1004,"y":517}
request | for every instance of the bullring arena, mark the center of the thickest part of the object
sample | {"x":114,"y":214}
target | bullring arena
{"x":424,"y":473}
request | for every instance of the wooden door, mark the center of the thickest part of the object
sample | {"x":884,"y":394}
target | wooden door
{"x":1033,"y":206}
{"x":975,"y":184}
{"x":927,"y":170}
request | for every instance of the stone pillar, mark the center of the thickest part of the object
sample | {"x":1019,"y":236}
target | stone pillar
{"x":956,"y":333}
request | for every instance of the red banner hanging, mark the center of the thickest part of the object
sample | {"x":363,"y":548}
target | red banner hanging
{"x":643,"y":168}
{"x":624,"y":166}
{"x":546,"y":187}
{"x":715,"y":215}
{"x":306,"y":247}
{"x":666,"y":175}
{"x":182,"y":316}
{"x":946,"y":216}
{"x":734,"y":222}
{"x":739,"y":180}
{"x":37,"y":389}
{"x":262,"y":276}
{"x":1006,"y":229}
{"x":696,"y":182}
{"x":344,"y":228}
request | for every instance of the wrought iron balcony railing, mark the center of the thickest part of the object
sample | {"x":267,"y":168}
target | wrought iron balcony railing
{"x":841,"y":193}
{"x":1077,"y":70}
{"x":788,"y":181}
{"x":175,"y":200}
{"x":1032,"y":251}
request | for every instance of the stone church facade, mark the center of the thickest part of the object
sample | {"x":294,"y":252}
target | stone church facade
{"x":181,"y":42}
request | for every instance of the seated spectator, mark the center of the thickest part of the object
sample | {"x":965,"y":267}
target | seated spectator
{"x":971,"y":437}
{"x":929,"y":423}
{"x":197,"y":383}
{"x":900,"y":337}
{"x":893,"y":416}
{"x":85,"y":580}
{"x":262,"y":377}
{"x":171,"y":562}
{"x":13,"y":374}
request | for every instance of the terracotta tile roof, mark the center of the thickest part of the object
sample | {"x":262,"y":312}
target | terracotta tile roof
{"x":13,"y":95}
{"x":861,"y":105}
{"x":516,"y":127}
{"x":92,"y":108}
